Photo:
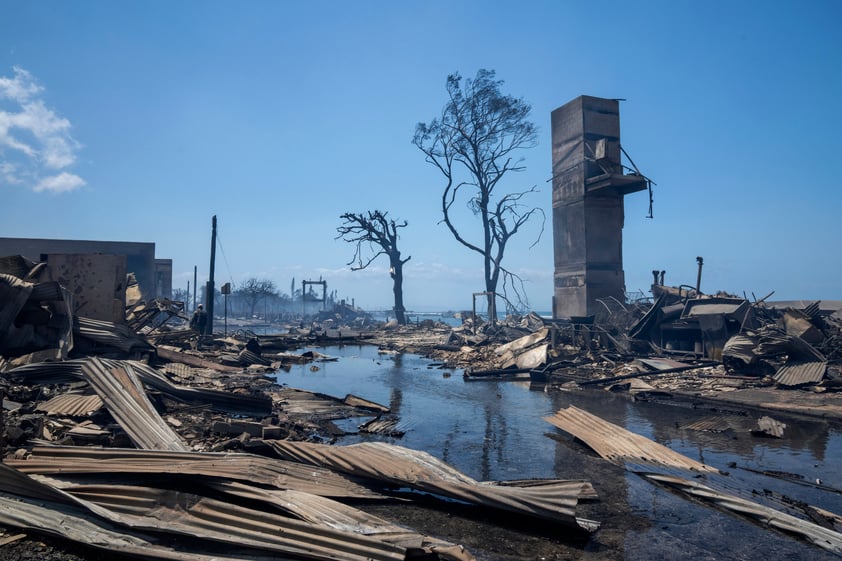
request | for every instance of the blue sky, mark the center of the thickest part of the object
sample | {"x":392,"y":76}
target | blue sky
{"x":138,"y":121}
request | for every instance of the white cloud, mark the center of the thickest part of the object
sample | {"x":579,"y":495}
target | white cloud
{"x":20,"y":88}
{"x":36,"y":146}
{"x":60,"y":183}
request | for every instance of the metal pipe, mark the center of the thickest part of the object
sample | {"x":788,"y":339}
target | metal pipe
{"x":209,"y":293}
{"x":701,"y":262}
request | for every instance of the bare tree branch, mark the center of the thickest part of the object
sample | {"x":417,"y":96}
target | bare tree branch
{"x":374,"y":234}
{"x":472,"y":143}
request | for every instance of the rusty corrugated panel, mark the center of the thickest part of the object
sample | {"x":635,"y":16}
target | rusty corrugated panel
{"x":800,"y":373}
{"x":297,"y":402}
{"x":418,"y":470}
{"x":203,"y":518}
{"x":80,"y":526}
{"x":319,"y":510}
{"x":13,"y":295}
{"x":220,"y":400}
{"x":269,"y":472}
{"x":616,"y":444}
{"x":145,"y":512}
{"x":55,"y":372}
{"x":818,"y":535}
{"x":184,"y":358}
{"x":387,"y":426}
{"x":709,"y":424}
{"x":238,"y":404}
{"x":50,"y":290}
{"x":111,"y":334}
{"x":126,"y":400}
{"x":75,"y":405}
{"x":662,"y":363}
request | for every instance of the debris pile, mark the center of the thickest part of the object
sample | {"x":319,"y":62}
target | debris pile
{"x":95,"y":412}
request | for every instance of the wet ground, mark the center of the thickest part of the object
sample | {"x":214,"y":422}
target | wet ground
{"x":495,"y":431}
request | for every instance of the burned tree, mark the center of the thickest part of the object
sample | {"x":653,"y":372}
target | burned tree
{"x":253,"y":290}
{"x":379,"y":234}
{"x":473,"y":144}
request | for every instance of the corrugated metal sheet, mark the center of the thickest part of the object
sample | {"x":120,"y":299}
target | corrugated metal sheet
{"x":149,"y":514}
{"x":228,"y":402}
{"x":616,"y":444}
{"x":734,"y":307}
{"x":75,"y":405}
{"x":421,"y":471}
{"x":269,"y":472}
{"x":126,"y":400}
{"x":818,"y":535}
{"x":199,"y":362}
{"x":111,"y":334}
{"x":663,"y":363}
{"x":800,"y":373}
{"x":387,"y":426}
{"x":336,"y":515}
{"x":301,"y":403}
{"x":709,"y":424}
{"x":50,"y":290}
{"x":116,"y":383}
{"x":236,"y":404}
{"x":203,"y":518}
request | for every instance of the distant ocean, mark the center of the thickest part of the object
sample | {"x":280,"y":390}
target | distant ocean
{"x":444,"y":317}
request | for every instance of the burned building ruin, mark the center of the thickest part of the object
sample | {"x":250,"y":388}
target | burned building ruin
{"x":589,"y":184}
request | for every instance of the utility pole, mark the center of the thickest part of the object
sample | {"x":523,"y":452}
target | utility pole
{"x":195,"y":287}
{"x":209,"y":292}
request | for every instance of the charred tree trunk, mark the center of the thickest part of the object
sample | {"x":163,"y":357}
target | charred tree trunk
{"x":397,"y":287}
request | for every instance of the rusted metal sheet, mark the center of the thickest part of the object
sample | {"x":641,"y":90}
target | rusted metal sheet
{"x":202,"y":518}
{"x":253,"y":405}
{"x":248,"y":468}
{"x":356,"y":401}
{"x":23,"y":307}
{"x":148,"y":511}
{"x":421,"y":471}
{"x":339,"y":516}
{"x":74,"y":405}
{"x":735,"y":308}
{"x":126,"y":400}
{"x":122,"y":392}
{"x":662,"y":363}
{"x":80,"y":526}
{"x":300,"y":403}
{"x":818,"y":535}
{"x":616,"y":444}
{"x":652,"y":461}
{"x":709,"y":424}
{"x":800,"y":373}
{"x":256,"y":405}
{"x":533,"y":358}
{"x":522,"y":343}
{"x":118,"y":386}
{"x":387,"y":426}
{"x":112,"y":334}
{"x":184,"y":358}
{"x":798,"y":324}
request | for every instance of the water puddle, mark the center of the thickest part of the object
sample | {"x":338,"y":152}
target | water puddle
{"x":495,"y":431}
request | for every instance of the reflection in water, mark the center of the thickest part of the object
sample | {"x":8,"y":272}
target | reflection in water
{"x":495,"y":431}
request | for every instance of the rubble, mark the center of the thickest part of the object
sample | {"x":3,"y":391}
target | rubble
{"x":95,"y":411}
{"x":659,"y":464}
